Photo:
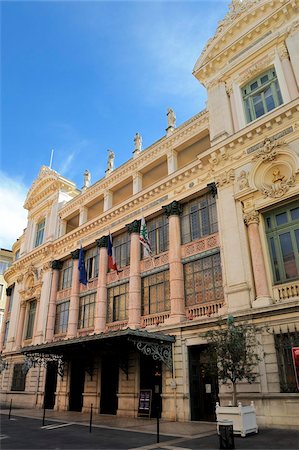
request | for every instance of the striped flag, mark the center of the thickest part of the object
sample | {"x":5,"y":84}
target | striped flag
{"x":143,"y":237}
{"x":81,"y":267}
{"x":111,"y":255}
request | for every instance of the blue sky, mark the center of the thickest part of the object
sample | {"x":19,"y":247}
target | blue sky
{"x":83,"y":77}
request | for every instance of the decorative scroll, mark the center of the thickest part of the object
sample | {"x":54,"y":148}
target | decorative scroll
{"x":42,"y":359}
{"x":3,"y":364}
{"x":159,"y":351}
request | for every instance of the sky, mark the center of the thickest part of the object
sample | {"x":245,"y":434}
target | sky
{"x":82,"y":77}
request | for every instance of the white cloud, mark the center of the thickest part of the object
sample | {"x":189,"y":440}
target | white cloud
{"x":13,"y":216}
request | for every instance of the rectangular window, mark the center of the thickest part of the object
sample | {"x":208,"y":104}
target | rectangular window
{"x":62,"y":317}
{"x":92,"y":263}
{"x":17,"y":255}
{"x":121,"y":244}
{"x":199,"y":218}
{"x":283,"y":237}
{"x":157,"y":229}
{"x":155,"y":293}
{"x":261,"y":95}
{"x":66,"y":274}
{"x":18,"y":378}
{"x":30,"y":321}
{"x":86,"y":311}
{"x":283,"y":344}
{"x":117,"y":305}
{"x":11,"y":298}
{"x":3,"y":266}
{"x":203,"y":280}
{"x":40,"y":229}
{"x":6,"y":332}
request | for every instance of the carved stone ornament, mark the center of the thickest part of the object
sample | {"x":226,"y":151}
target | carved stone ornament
{"x":283,"y":52}
{"x":56,"y":264}
{"x":269,"y":150}
{"x":75,"y":254}
{"x":212,"y":189}
{"x":102,"y":242}
{"x":134,"y":227}
{"x":173,"y":209}
{"x":278,"y":188}
{"x":243,"y":180}
{"x":251,"y":217}
{"x":31,"y":292}
{"x":225,"y":178}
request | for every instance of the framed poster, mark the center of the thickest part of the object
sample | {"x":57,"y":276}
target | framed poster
{"x":145,"y":402}
{"x":295,"y":355}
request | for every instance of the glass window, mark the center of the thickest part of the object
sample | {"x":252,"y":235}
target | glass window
{"x":6,"y":331}
{"x":40,"y":229}
{"x":18,"y":378}
{"x":121,"y":245}
{"x":30,"y":321}
{"x":203,"y":280}
{"x":17,"y":255}
{"x":155,"y":293}
{"x":117,"y":305}
{"x":261,"y":95}
{"x":283,"y":344}
{"x":157,"y":229}
{"x":91,"y":263}
{"x":283,"y":242}
{"x":199,"y":218}
{"x":62,"y":317}
{"x":66,"y":274}
{"x":3,"y":266}
{"x":86,"y":311}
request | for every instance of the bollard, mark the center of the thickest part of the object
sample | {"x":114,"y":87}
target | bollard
{"x":9,"y":414}
{"x":226,"y":434}
{"x":44,"y":414}
{"x":158,"y":425}
{"x":90,"y":420}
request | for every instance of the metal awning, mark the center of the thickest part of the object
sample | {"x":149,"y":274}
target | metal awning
{"x":156,"y":345}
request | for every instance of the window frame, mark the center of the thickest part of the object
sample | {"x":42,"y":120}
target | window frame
{"x":66,"y":274}
{"x":284,"y":342}
{"x":155,"y":293}
{"x":62,"y":317}
{"x":158,"y":235}
{"x":121,"y":245}
{"x":31,"y":313}
{"x":86,"y":311}
{"x":118,"y":293}
{"x":92,"y":263}
{"x":40,"y":232}
{"x":18,"y":378}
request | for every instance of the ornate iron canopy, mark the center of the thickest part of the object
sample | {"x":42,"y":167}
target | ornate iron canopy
{"x":42,"y":359}
{"x":159,"y":351}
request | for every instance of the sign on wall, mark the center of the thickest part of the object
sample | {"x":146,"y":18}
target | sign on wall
{"x":145,"y":402}
{"x":295,"y":354}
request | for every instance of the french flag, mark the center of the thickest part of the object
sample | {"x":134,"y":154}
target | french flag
{"x":111,"y":255}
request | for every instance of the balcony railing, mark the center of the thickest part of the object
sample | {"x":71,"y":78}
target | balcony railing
{"x":115,"y":326}
{"x":205,"y":309}
{"x":154,"y":319}
{"x":287,"y":291}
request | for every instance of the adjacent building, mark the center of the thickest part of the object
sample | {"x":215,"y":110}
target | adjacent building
{"x":6,"y":257}
{"x":220,"y":199}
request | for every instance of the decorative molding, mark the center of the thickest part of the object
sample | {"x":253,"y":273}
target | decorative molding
{"x":31,"y":292}
{"x":134,"y":227}
{"x":251,"y":217}
{"x":243,"y":180}
{"x":269,"y":150}
{"x":256,"y":68}
{"x":225,"y":178}
{"x":173,"y":209}
{"x":283,"y":52}
{"x":278,"y":189}
{"x":102,"y":242}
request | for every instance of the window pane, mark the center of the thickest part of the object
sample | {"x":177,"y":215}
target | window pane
{"x":297,"y":238}
{"x":269,"y":99}
{"x":258,"y":105}
{"x":288,"y":255}
{"x":264,"y":79}
{"x":295,"y":213}
{"x":281,"y":218}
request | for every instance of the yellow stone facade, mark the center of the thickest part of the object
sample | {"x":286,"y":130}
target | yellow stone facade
{"x":219,"y":194}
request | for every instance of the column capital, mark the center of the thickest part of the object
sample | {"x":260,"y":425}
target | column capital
{"x":75,"y":254}
{"x":283,"y":51}
{"x":9,"y":291}
{"x":173,"y":209}
{"x":102,"y":242}
{"x":251,"y":217}
{"x":56,"y":264}
{"x":212,"y":189}
{"x":134,"y":227}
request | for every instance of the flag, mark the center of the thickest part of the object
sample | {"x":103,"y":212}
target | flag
{"x":111,"y":255}
{"x":143,"y":237}
{"x":81,"y":267}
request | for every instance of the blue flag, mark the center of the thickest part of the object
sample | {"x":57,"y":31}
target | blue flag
{"x":81,"y":267}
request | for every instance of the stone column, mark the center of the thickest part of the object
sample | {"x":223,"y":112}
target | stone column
{"x":134,"y":311}
{"x":100,"y":314}
{"x":56,"y":267}
{"x":221,"y":125}
{"x":72,"y":325}
{"x":5,"y":316}
{"x":108,"y":200}
{"x":176,"y":273}
{"x":235,"y":269}
{"x":257,"y":258}
{"x":21,"y":321}
{"x":288,"y":72}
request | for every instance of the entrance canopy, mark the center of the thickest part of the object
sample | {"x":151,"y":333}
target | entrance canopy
{"x":156,"y":345}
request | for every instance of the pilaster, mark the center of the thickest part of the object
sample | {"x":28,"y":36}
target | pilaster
{"x":74,"y":298}
{"x":56,"y":267}
{"x":137,"y":182}
{"x":101,"y":303}
{"x":134,"y":310}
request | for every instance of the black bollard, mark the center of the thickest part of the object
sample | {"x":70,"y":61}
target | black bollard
{"x":9,"y":414}
{"x":226,"y":434}
{"x":90,"y":420}
{"x":158,"y":424}
{"x":44,"y":414}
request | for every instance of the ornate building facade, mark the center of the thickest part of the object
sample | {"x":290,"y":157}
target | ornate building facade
{"x":219,"y":195}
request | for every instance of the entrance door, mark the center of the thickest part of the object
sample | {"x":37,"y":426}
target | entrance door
{"x":50,"y":386}
{"x":203,"y":385}
{"x":77,"y":385}
{"x":151,"y":378}
{"x":109,"y":385}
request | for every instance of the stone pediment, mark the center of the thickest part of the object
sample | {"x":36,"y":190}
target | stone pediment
{"x":47,"y":183}
{"x":247,"y":23}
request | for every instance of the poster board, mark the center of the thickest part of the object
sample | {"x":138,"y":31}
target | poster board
{"x":145,"y":402}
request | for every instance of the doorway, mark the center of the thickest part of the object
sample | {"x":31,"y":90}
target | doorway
{"x":203,"y":385}
{"x":77,"y":385}
{"x":151,"y":378}
{"x":109,"y":385}
{"x":50,"y":385}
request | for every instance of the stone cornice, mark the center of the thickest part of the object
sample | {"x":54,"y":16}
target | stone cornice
{"x":253,"y":18}
{"x":186,"y":131}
